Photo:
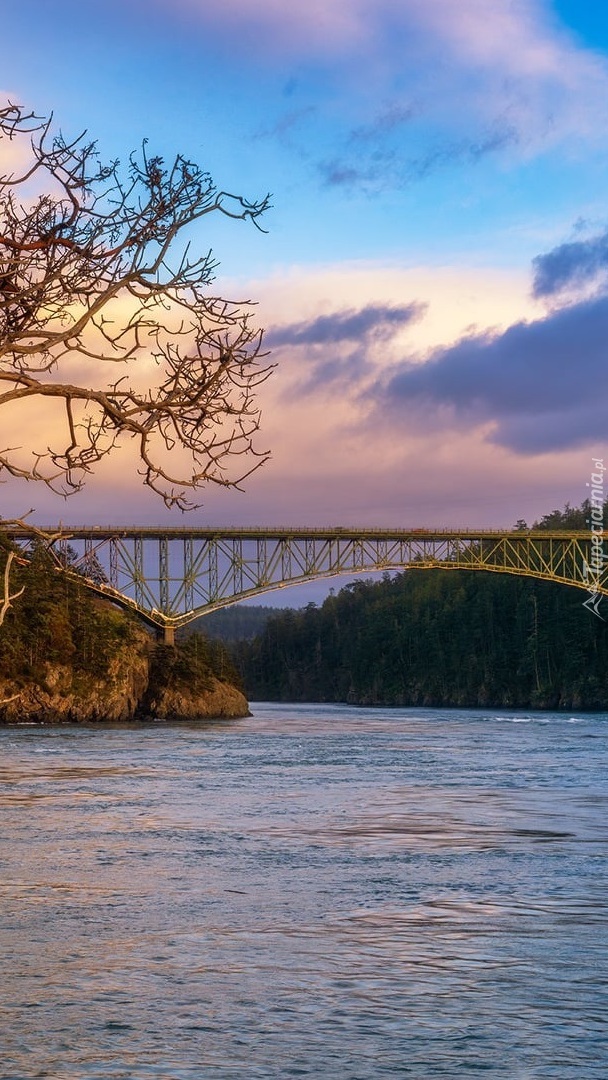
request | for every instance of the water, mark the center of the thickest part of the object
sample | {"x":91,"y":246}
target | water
{"x":317,"y":891}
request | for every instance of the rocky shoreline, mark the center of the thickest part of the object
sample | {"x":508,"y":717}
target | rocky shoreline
{"x":136,"y":686}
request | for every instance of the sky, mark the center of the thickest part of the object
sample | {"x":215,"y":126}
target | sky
{"x":433,"y":274}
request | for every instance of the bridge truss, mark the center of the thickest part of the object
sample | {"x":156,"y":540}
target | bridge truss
{"x":170,"y":576}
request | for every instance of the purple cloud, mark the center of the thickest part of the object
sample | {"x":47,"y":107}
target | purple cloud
{"x":372,"y":322}
{"x":570,"y":265}
{"x":287,"y":123}
{"x":391,"y":119}
{"x":543,"y":384}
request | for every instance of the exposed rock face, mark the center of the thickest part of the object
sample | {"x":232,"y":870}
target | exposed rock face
{"x":62,"y":695}
{"x":220,"y":700}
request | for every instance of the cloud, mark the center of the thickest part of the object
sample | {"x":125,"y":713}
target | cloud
{"x":311,"y":28}
{"x":287,"y":123}
{"x":388,"y":120}
{"x":536,"y":386}
{"x":517,"y":65}
{"x":374,"y":321}
{"x":581,"y":262}
{"x":455,"y":299}
{"x":332,"y":464}
{"x":387,"y":169}
{"x":521,"y":38}
{"x":462,"y":152}
{"x":341,"y":347}
{"x":408,"y":87}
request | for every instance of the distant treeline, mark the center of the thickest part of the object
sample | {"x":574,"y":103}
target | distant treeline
{"x":240,"y":622}
{"x":432,"y":637}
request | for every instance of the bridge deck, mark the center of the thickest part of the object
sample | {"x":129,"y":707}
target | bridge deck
{"x":172,"y":574}
{"x":258,"y":532}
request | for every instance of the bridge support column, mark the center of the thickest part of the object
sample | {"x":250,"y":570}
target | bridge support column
{"x":168,"y":635}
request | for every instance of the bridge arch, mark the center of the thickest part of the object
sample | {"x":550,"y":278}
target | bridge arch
{"x":170,"y":576}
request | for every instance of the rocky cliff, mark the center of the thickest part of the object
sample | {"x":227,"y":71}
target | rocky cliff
{"x":136,"y":685}
{"x":186,"y":683}
{"x":220,"y":701}
{"x":67,"y":656}
{"x":62,"y":695}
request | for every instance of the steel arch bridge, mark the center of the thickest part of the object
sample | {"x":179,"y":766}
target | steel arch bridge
{"x":170,"y":576}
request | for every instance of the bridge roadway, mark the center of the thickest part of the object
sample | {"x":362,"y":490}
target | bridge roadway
{"x":172,"y":575}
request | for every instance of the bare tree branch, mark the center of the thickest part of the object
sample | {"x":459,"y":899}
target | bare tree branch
{"x":8,"y":598}
{"x":90,"y":278}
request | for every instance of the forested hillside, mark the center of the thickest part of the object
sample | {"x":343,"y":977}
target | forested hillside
{"x":56,"y":620}
{"x":432,"y":637}
{"x":67,"y":655}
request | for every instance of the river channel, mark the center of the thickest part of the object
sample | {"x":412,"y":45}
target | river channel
{"x":317,"y":891}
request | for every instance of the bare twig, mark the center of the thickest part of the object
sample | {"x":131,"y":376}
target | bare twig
{"x":89,"y":275}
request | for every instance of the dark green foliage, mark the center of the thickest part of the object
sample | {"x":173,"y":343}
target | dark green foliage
{"x":59,"y":621}
{"x":194,"y":664}
{"x":433,"y":637}
{"x":571,"y":517}
{"x":56,"y":620}
{"x":436,"y":637}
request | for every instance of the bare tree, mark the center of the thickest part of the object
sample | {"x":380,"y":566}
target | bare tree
{"x":102,"y":320}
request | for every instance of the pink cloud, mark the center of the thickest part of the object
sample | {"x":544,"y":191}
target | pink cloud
{"x":315,"y":28}
{"x":546,"y":83}
{"x":330,"y":464}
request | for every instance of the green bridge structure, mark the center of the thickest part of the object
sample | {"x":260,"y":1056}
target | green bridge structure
{"x":170,"y":576}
